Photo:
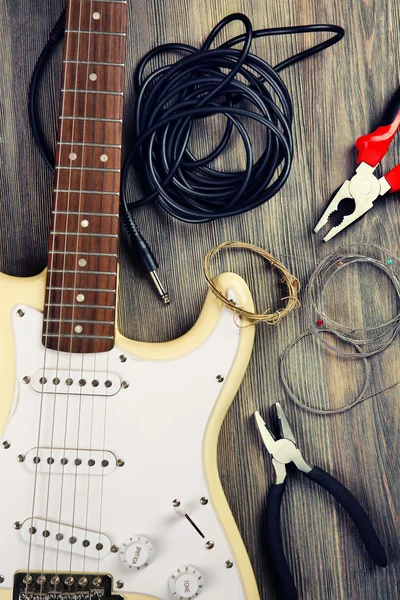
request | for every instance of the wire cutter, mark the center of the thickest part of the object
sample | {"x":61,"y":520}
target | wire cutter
{"x":284,"y":451}
{"x":356,"y":196}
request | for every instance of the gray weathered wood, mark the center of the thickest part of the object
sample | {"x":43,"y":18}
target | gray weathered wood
{"x":337,"y":96}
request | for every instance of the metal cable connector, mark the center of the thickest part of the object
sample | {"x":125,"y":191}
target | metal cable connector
{"x":162,"y":292}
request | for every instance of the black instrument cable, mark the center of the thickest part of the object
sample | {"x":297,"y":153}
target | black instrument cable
{"x":208,"y":81}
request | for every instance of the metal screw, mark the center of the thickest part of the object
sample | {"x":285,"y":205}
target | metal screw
{"x":119,"y":584}
{"x":125,"y":385}
{"x":69,"y":581}
{"x":219,"y":378}
{"x":122,"y":358}
{"x":82,"y":581}
{"x":176,"y":503}
{"x":6,"y":445}
{"x":1,"y":578}
{"x":203,"y":500}
{"x":114,"y":548}
{"x":95,"y":383}
{"x":26,"y":379}
{"x":28,"y":579}
{"x":210,"y":545}
{"x":120,"y":462}
{"x":41,"y":580}
{"x":17,"y":525}
{"x":55,"y":580}
{"x":229,"y":564}
{"x":20,"y":458}
{"x":108,"y":383}
{"x":20,"y":312}
{"x":97,"y":581}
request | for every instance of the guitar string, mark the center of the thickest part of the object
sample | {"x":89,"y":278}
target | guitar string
{"x":69,"y":187}
{"x":75,"y":289}
{"x":92,"y":187}
{"x":46,"y":337}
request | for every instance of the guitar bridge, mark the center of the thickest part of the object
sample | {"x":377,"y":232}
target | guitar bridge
{"x":58,"y":586}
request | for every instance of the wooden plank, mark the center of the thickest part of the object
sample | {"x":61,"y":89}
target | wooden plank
{"x":337,"y":96}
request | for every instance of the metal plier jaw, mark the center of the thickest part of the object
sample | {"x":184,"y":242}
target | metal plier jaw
{"x":364,"y":187}
{"x":283,"y":451}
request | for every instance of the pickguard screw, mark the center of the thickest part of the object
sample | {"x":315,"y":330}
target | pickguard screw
{"x":119,"y":584}
{"x":55,"y":580}
{"x":203,"y":500}
{"x":210,"y":545}
{"x":229,"y":564}
{"x":125,"y":384}
{"x":20,"y":458}
{"x":17,"y":525}
{"x":1,"y":578}
{"x":6,"y":445}
{"x":82,"y":581}
{"x":122,"y":358}
{"x":120,"y":462}
{"x":26,"y":379}
{"x":114,"y":548}
{"x":219,"y":378}
{"x":20,"y":312}
{"x":97,"y":581}
{"x":176,"y":503}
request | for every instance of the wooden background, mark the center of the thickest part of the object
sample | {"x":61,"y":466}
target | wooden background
{"x":337,"y":96}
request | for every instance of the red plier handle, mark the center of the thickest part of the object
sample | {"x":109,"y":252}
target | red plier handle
{"x":373,"y":147}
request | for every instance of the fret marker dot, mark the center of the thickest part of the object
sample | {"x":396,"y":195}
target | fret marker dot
{"x":82,"y":262}
{"x":104,"y":158}
{"x":72,"y":156}
{"x":96,"y":16}
{"x":92,"y":76}
{"x":80,"y":297}
{"x":78,"y":329}
{"x":85,"y":223}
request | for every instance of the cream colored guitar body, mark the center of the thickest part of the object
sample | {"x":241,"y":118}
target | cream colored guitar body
{"x":163,"y":415}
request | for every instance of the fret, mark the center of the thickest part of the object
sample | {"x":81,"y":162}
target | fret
{"x":91,"y":263}
{"x":81,"y":213}
{"x":81,"y":233}
{"x":100,"y":77}
{"x":92,"y":104}
{"x":88,"y":181}
{"x":94,"y":62}
{"x":98,"y":48}
{"x":75,"y":118}
{"x":83,"y":17}
{"x":89,"y":298}
{"x":84,"y":321}
{"x":76,"y":253}
{"x":66,"y":305}
{"x":70,"y":224}
{"x":78,"y":335}
{"x":95,"y":169}
{"x":84,"y":244}
{"x":94,"y":32}
{"x":52,"y":288}
{"x":95,"y":203}
{"x":91,"y":132}
{"x":84,"y":192}
{"x":71,"y":271}
{"x":110,"y":1}
{"x":93,"y":92}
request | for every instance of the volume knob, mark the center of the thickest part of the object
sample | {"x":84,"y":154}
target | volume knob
{"x":186,"y":582}
{"x":136,"y":552}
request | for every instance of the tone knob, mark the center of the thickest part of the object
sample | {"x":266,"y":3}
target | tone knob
{"x":186,"y":582}
{"x":136,"y":552}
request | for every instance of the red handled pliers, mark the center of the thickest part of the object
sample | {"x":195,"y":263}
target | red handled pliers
{"x":357,"y":195}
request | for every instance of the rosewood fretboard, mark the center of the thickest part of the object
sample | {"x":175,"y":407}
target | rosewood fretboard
{"x":82,"y":269}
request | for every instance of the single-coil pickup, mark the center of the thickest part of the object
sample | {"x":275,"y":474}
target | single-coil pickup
{"x":67,"y":461}
{"x":52,"y":381}
{"x":65,"y":538}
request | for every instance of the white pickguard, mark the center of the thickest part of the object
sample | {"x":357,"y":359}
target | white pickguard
{"x":156,"y":425}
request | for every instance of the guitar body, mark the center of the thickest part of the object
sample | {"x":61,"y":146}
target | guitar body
{"x":131,"y":431}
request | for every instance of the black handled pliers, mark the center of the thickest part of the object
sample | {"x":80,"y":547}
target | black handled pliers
{"x":284,"y":451}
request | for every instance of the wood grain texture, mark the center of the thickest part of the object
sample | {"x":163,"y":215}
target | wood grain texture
{"x":337,"y":96}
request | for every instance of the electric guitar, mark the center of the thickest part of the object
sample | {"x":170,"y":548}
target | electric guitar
{"x":108,"y":453}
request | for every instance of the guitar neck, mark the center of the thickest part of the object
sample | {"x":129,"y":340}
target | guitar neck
{"x":83,"y":249}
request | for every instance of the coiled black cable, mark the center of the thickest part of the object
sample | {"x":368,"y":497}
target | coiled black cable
{"x":206,"y":82}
